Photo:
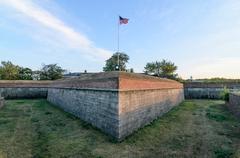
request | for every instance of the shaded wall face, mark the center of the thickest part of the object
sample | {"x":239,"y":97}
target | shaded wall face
{"x":23,"y":92}
{"x":97,"y":107}
{"x":208,"y":90}
{"x":16,"y":89}
{"x":138,"y":108}
{"x":234,"y":104}
{"x":203,"y":93}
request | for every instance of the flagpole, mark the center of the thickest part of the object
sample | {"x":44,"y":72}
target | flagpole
{"x":120,"y":21}
{"x":118,"y":36}
{"x":118,"y":63}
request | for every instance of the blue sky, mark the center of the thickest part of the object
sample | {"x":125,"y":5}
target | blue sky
{"x":202,"y":37}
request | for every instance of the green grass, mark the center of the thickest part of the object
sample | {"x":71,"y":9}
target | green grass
{"x":196,"y":128}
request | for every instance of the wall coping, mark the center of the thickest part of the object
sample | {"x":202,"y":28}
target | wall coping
{"x":230,"y":85}
{"x":117,"y":80}
{"x":107,"y":81}
{"x":113,"y":90}
{"x":24,"y":84}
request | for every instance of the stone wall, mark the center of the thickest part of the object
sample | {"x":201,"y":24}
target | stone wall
{"x":23,"y":93}
{"x":91,"y":97}
{"x":24,"y":89}
{"x":117,"y":103}
{"x":198,"y":90}
{"x":234,"y":103}
{"x":140,"y":107}
{"x":98,"y":107}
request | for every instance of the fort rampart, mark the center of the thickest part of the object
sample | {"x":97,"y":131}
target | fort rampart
{"x":118,"y":103}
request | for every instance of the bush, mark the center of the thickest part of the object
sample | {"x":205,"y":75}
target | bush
{"x":225,"y":94}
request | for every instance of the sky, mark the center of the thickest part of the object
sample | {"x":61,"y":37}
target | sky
{"x":202,"y":37}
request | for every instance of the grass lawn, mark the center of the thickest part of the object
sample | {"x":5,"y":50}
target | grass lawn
{"x":196,"y":128}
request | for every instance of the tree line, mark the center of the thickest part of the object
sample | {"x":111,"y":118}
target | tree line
{"x":117,"y":62}
{"x":162,"y":68}
{"x":9,"y":71}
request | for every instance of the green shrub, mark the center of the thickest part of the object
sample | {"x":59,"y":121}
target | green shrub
{"x":225,"y":94}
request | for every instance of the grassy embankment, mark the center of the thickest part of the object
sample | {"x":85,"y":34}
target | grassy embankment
{"x":196,"y":128}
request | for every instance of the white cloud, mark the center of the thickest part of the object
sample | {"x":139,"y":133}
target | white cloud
{"x":58,"y":30}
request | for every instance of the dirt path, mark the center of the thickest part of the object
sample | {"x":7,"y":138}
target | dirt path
{"x":202,"y":130}
{"x":17,"y":145}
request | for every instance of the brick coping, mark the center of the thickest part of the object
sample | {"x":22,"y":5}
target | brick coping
{"x":115,"y":81}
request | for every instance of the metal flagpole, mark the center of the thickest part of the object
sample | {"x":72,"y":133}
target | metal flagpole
{"x":118,"y":35}
{"x":118,"y":62}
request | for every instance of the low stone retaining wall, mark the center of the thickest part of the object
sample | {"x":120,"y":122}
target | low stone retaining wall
{"x":24,"y":89}
{"x":198,"y":90}
{"x":117,"y":103}
{"x":234,"y":103}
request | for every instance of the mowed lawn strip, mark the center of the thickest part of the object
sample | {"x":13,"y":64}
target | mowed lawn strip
{"x":196,"y":128}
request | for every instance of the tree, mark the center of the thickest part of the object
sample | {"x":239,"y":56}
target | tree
{"x":51,"y":72}
{"x":168,"y":69}
{"x":9,"y":71}
{"x":25,"y":73}
{"x":153,"y":68}
{"x":162,"y":68}
{"x":112,"y":62}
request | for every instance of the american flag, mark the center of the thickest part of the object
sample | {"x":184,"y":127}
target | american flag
{"x":123,"y":20}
